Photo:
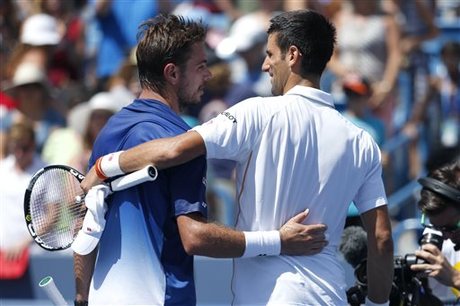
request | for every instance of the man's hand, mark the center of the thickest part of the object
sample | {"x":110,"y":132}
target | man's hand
{"x":301,"y":239}
{"x":91,"y":180}
{"x":436,"y":266}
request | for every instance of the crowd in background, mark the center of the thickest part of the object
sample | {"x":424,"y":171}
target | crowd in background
{"x":67,"y":66}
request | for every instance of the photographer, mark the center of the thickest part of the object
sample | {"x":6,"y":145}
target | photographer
{"x":440,"y":206}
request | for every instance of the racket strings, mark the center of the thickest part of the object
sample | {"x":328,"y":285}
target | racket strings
{"x":56,"y":214}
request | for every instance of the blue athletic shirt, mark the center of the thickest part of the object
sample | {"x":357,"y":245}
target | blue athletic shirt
{"x":141,"y":259}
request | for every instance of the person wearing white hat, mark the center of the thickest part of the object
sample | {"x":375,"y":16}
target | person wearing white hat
{"x":40,"y":30}
{"x":39,"y":36}
{"x":30,"y":89}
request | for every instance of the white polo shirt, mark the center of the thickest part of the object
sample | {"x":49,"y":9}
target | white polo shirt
{"x":294,"y":152}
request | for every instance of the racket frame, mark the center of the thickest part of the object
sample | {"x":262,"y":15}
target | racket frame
{"x":27,"y":198}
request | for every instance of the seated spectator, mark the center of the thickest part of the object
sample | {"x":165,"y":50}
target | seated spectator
{"x":358,"y":92}
{"x":40,"y":34}
{"x":439,"y":111}
{"x":72,"y":145}
{"x":16,"y":170}
{"x":30,"y":89}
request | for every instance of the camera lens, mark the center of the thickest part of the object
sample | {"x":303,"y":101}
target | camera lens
{"x":433,"y":238}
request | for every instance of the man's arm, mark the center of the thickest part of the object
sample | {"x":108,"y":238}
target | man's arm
{"x":379,"y":254}
{"x":83,"y":271}
{"x":213,"y":240}
{"x":162,"y":153}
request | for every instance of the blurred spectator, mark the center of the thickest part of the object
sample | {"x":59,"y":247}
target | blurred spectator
{"x":357,"y":92}
{"x":124,"y":84}
{"x":16,"y":170}
{"x":7,"y":104}
{"x":29,"y":88}
{"x":439,"y":110}
{"x":71,"y":145}
{"x":245,"y":47}
{"x":39,"y":36}
{"x":9,"y":32}
{"x":66,"y":65}
{"x":367,"y":45}
{"x":326,"y":7}
{"x":416,"y":22}
{"x":117,"y":22}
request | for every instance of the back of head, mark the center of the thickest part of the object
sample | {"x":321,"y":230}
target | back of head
{"x":162,"y":40}
{"x":309,"y":31}
{"x":441,"y":189}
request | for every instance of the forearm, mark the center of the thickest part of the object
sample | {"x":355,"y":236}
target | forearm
{"x":213,"y":240}
{"x":83,"y":271}
{"x":379,"y":254}
{"x":380,"y":275}
{"x":164,"y":152}
{"x":210,"y":239}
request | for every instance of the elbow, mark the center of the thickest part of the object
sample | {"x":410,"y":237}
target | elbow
{"x":193,"y":240}
{"x":385,"y":243}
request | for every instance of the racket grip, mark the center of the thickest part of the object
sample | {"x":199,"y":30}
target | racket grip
{"x":146,"y":174}
{"x":52,"y":291}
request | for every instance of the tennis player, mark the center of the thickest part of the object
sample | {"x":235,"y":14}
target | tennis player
{"x":151,"y":230}
{"x":293,"y":151}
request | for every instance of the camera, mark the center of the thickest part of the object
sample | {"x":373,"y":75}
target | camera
{"x":409,"y":287}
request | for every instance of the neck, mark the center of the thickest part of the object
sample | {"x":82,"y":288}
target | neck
{"x":167,"y":99}
{"x":297,"y":80}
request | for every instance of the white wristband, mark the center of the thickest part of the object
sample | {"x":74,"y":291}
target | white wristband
{"x":263,"y":243}
{"x":110,"y":164}
{"x":370,"y":303}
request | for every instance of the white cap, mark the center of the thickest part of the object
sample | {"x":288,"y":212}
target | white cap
{"x":94,"y":222}
{"x":27,"y":73}
{"x":103,"y":100}
{"x":40,"y":30}
{"x":246,"y":32}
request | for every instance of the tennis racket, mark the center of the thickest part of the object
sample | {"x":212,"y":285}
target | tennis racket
{"x":54,"y":205}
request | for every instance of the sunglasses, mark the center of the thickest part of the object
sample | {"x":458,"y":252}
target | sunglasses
{"x":448,"y":229}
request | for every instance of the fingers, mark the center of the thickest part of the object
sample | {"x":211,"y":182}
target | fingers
{"x":300,"y":217}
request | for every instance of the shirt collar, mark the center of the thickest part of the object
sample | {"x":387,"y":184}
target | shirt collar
{"x":313,"y":94}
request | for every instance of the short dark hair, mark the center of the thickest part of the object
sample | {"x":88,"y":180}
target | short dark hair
{"x":162,"y":40}
{"x":434,"y":203}
{"x":309,"y":31}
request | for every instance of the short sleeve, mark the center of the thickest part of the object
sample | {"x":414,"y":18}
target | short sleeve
{"x":232,"y":134}
{"x":371,"y":194}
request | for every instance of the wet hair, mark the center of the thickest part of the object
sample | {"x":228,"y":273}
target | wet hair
{"x":434,"y":203}
{"x":312,"y":33}
{"x":162,"y":40}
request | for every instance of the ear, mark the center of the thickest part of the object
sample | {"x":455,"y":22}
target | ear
{"x":294,"y":56}
{"x":171,"y":73}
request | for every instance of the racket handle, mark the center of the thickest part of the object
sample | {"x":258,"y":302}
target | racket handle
{"x":52,"y":291}
{"x":148,"y":173}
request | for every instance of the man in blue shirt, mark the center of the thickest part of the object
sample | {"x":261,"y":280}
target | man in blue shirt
{"x":151,"y":230}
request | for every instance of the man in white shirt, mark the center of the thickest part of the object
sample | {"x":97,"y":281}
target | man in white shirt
{"x":293,"y":151}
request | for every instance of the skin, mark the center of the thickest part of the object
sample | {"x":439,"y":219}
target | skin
{"x":185,"y":86}
{"x":437,"y":265}
{"x":284,"y":70}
